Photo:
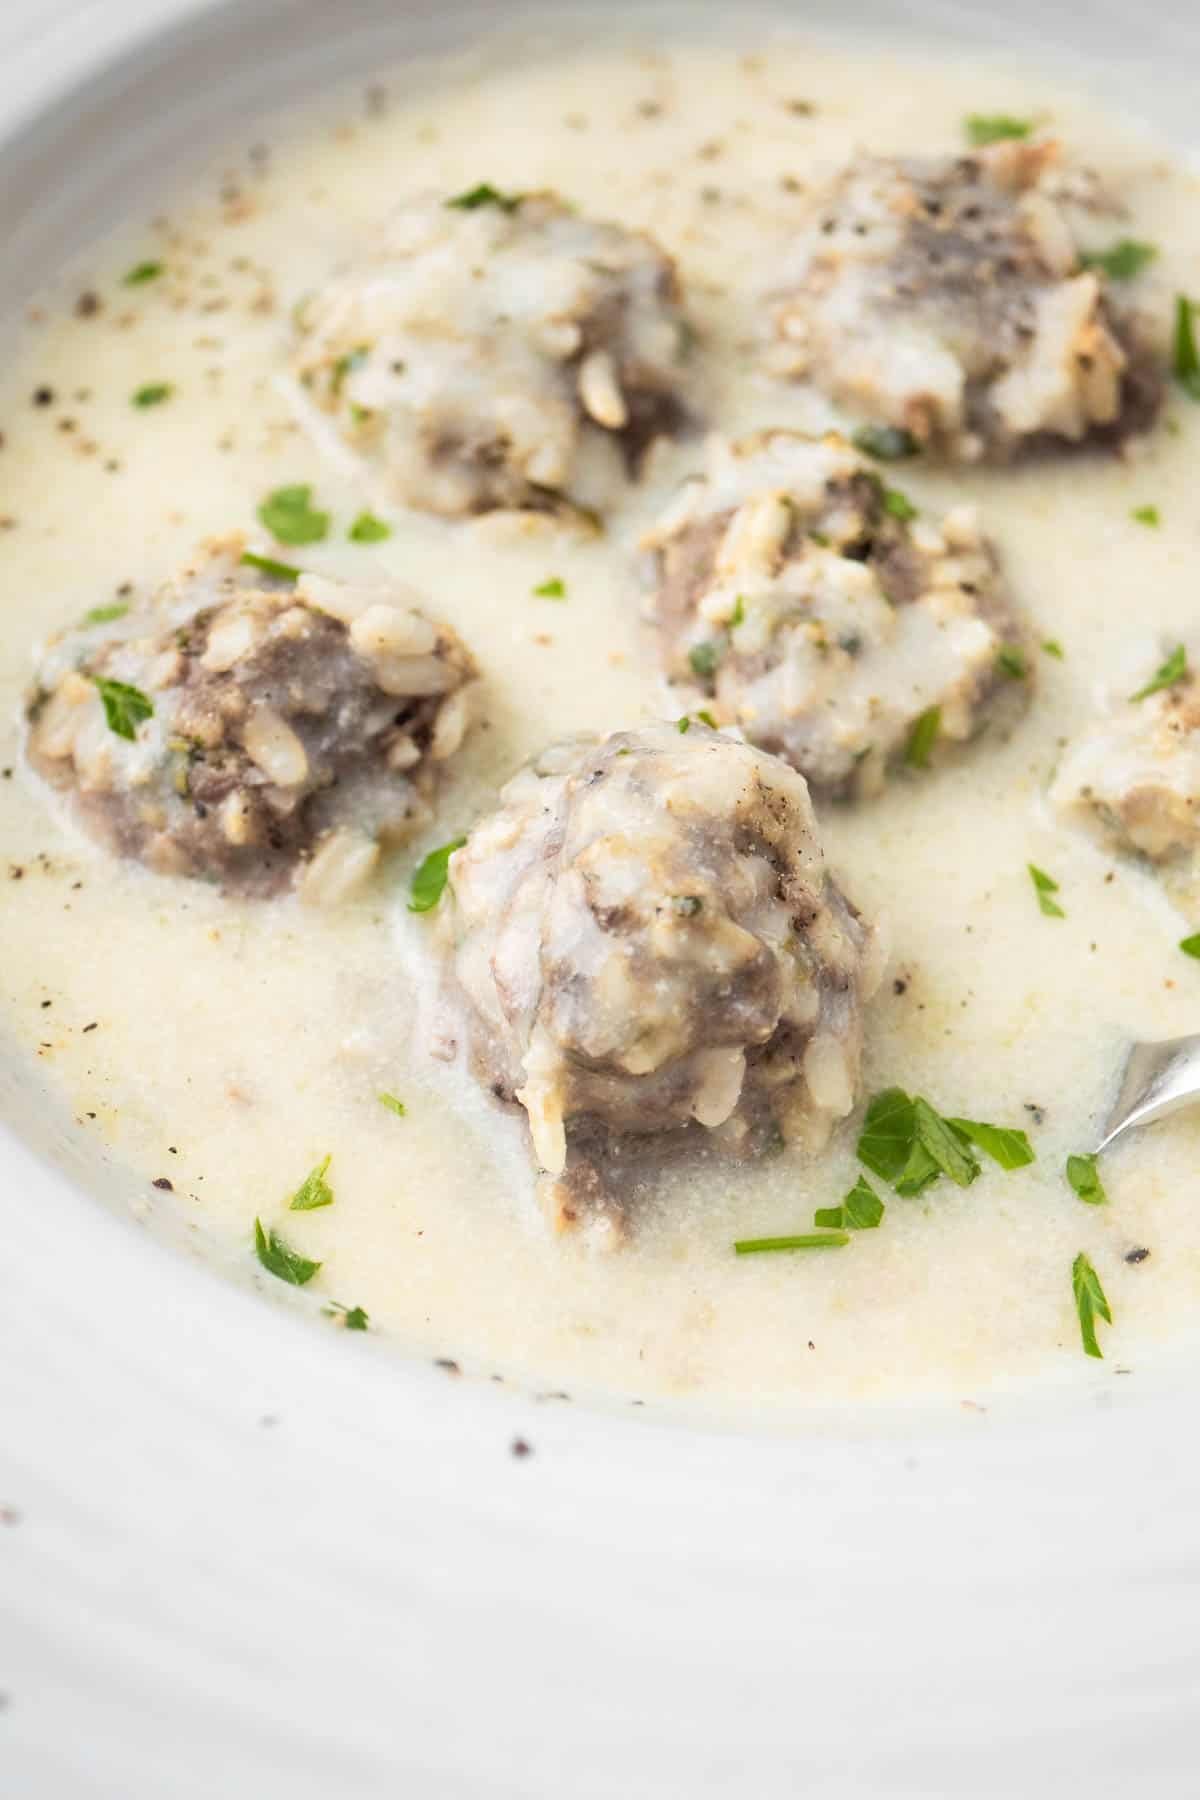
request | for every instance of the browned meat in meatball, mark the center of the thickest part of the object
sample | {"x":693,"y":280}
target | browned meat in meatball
{"x":651,"y":955}
{"x":250,"y":731}
{"x":499,"y":351}
{"x":803,"y":600}
{"x":946,"y":297}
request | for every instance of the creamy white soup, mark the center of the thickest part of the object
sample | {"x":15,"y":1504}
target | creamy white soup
{"x":218,"y":1049}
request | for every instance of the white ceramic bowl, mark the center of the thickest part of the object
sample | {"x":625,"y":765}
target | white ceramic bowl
{"x":243,"y":1558}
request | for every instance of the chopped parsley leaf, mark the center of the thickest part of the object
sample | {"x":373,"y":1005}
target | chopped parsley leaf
{"x":125,"y":707}
{"x":314,"y":1190}
{"x":554,"y":589}
{"x":886,"y":443}
{"x":1186,"y":356}
{"x":1045,"y":887}
{"x":861,"y":1210}
{"x":367,"y":529}
{"x":153,"y":394}
{"x":706,"y":718}
{"x":1003,"y":1143}
{"x":345,"y":365}
{"x":1052,"y":647}
{"x":1173,"y":670}
{"x":270,"y":566}
{"x":923,"y":737}
{"x":738,"y":615}
{"x":943,"y":1145}
{"x":485,"y":195}
{"x":350,"y":1318}
{"x":1011,"y":662}
{"x":290,"y":516}
{"x":393,"y":1105}
{"x":141,"y":273}
{"x":1146,"y":515}
{"x":277,"y":1259}
{"x":898,"y":506}
{"x":887,"y":1134}
{"x":1191,"y":945}
{"x":1122,"y":260}
{"x":805,"y":1240}
{"x":684,"y":725}
{"x":908,"y":1143}
{"x":1084,"y":1177}
{"x":104,"y":615}
{"x":1090,"y":1303}
{"x":994,"y":128}
{"x":430,"y":876}
{"x":704,"y":659}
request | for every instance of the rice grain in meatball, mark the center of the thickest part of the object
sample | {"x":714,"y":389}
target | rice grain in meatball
{"x":652,"y":954}
{"x":946,"y":297}
{"x":803,"y":600}
{"x":499,"y":351}
{"x":250,"y":731}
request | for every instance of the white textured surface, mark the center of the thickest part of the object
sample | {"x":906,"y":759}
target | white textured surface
{"x":369,"y":1595}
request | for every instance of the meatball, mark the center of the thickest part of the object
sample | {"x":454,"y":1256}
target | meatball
{"x":253,"y":731}
{"x":496,"y":351}
{"x":1133,"y":778}
{"x":652,"y":955}
{"x":811,"y":606}
{"x":946,"y":297}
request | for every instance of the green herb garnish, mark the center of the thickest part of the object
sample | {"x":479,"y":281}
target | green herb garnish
{"x":886,"y":443}
{"x":431,"y":876}
{"x":554,"y":589}
{"x":1084,"y":1177}
{"x":861,"y":1210}
{"x":908,"y":1143}
{"x":485,"y":195}
{"x":314,"y":1190}
{"x":153,"y":394}
{"x":1052,"y":647}
{"x":1146,"y":515}
{"x":1173,"y":670}
{"x":270,"y":566}
{"x":738,"y":615}
{"x":704,"y":659}
{"x":393,"y":1105}
{"x":290,"y":516}
{"x":1122,"y":260}
{"x":923,"y":737}
{"x":1187,"y":356}
{"x":353,"y":359}
{"x":706,"y":718}
{"x":367,"y":529}
{"x":125,"y":707}
{"x":1090,"y":1303}
{"x":104,"y":615}
{"x":805,"y":1240}
{"x":277,"y":1259}
{"x":350,"y":1318}
{"x":943,"y":1145}
{"x":898,"y":506}
{"x":141,"y":273}
{"x":1191,"y":945}
{"x":994,"y":128}
{"x":1003,"y":1143}
{"x":1045,"y":887}
{"x":1011,"y":662}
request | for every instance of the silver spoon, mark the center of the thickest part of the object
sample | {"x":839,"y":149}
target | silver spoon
{"x":1158,"y":1079}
